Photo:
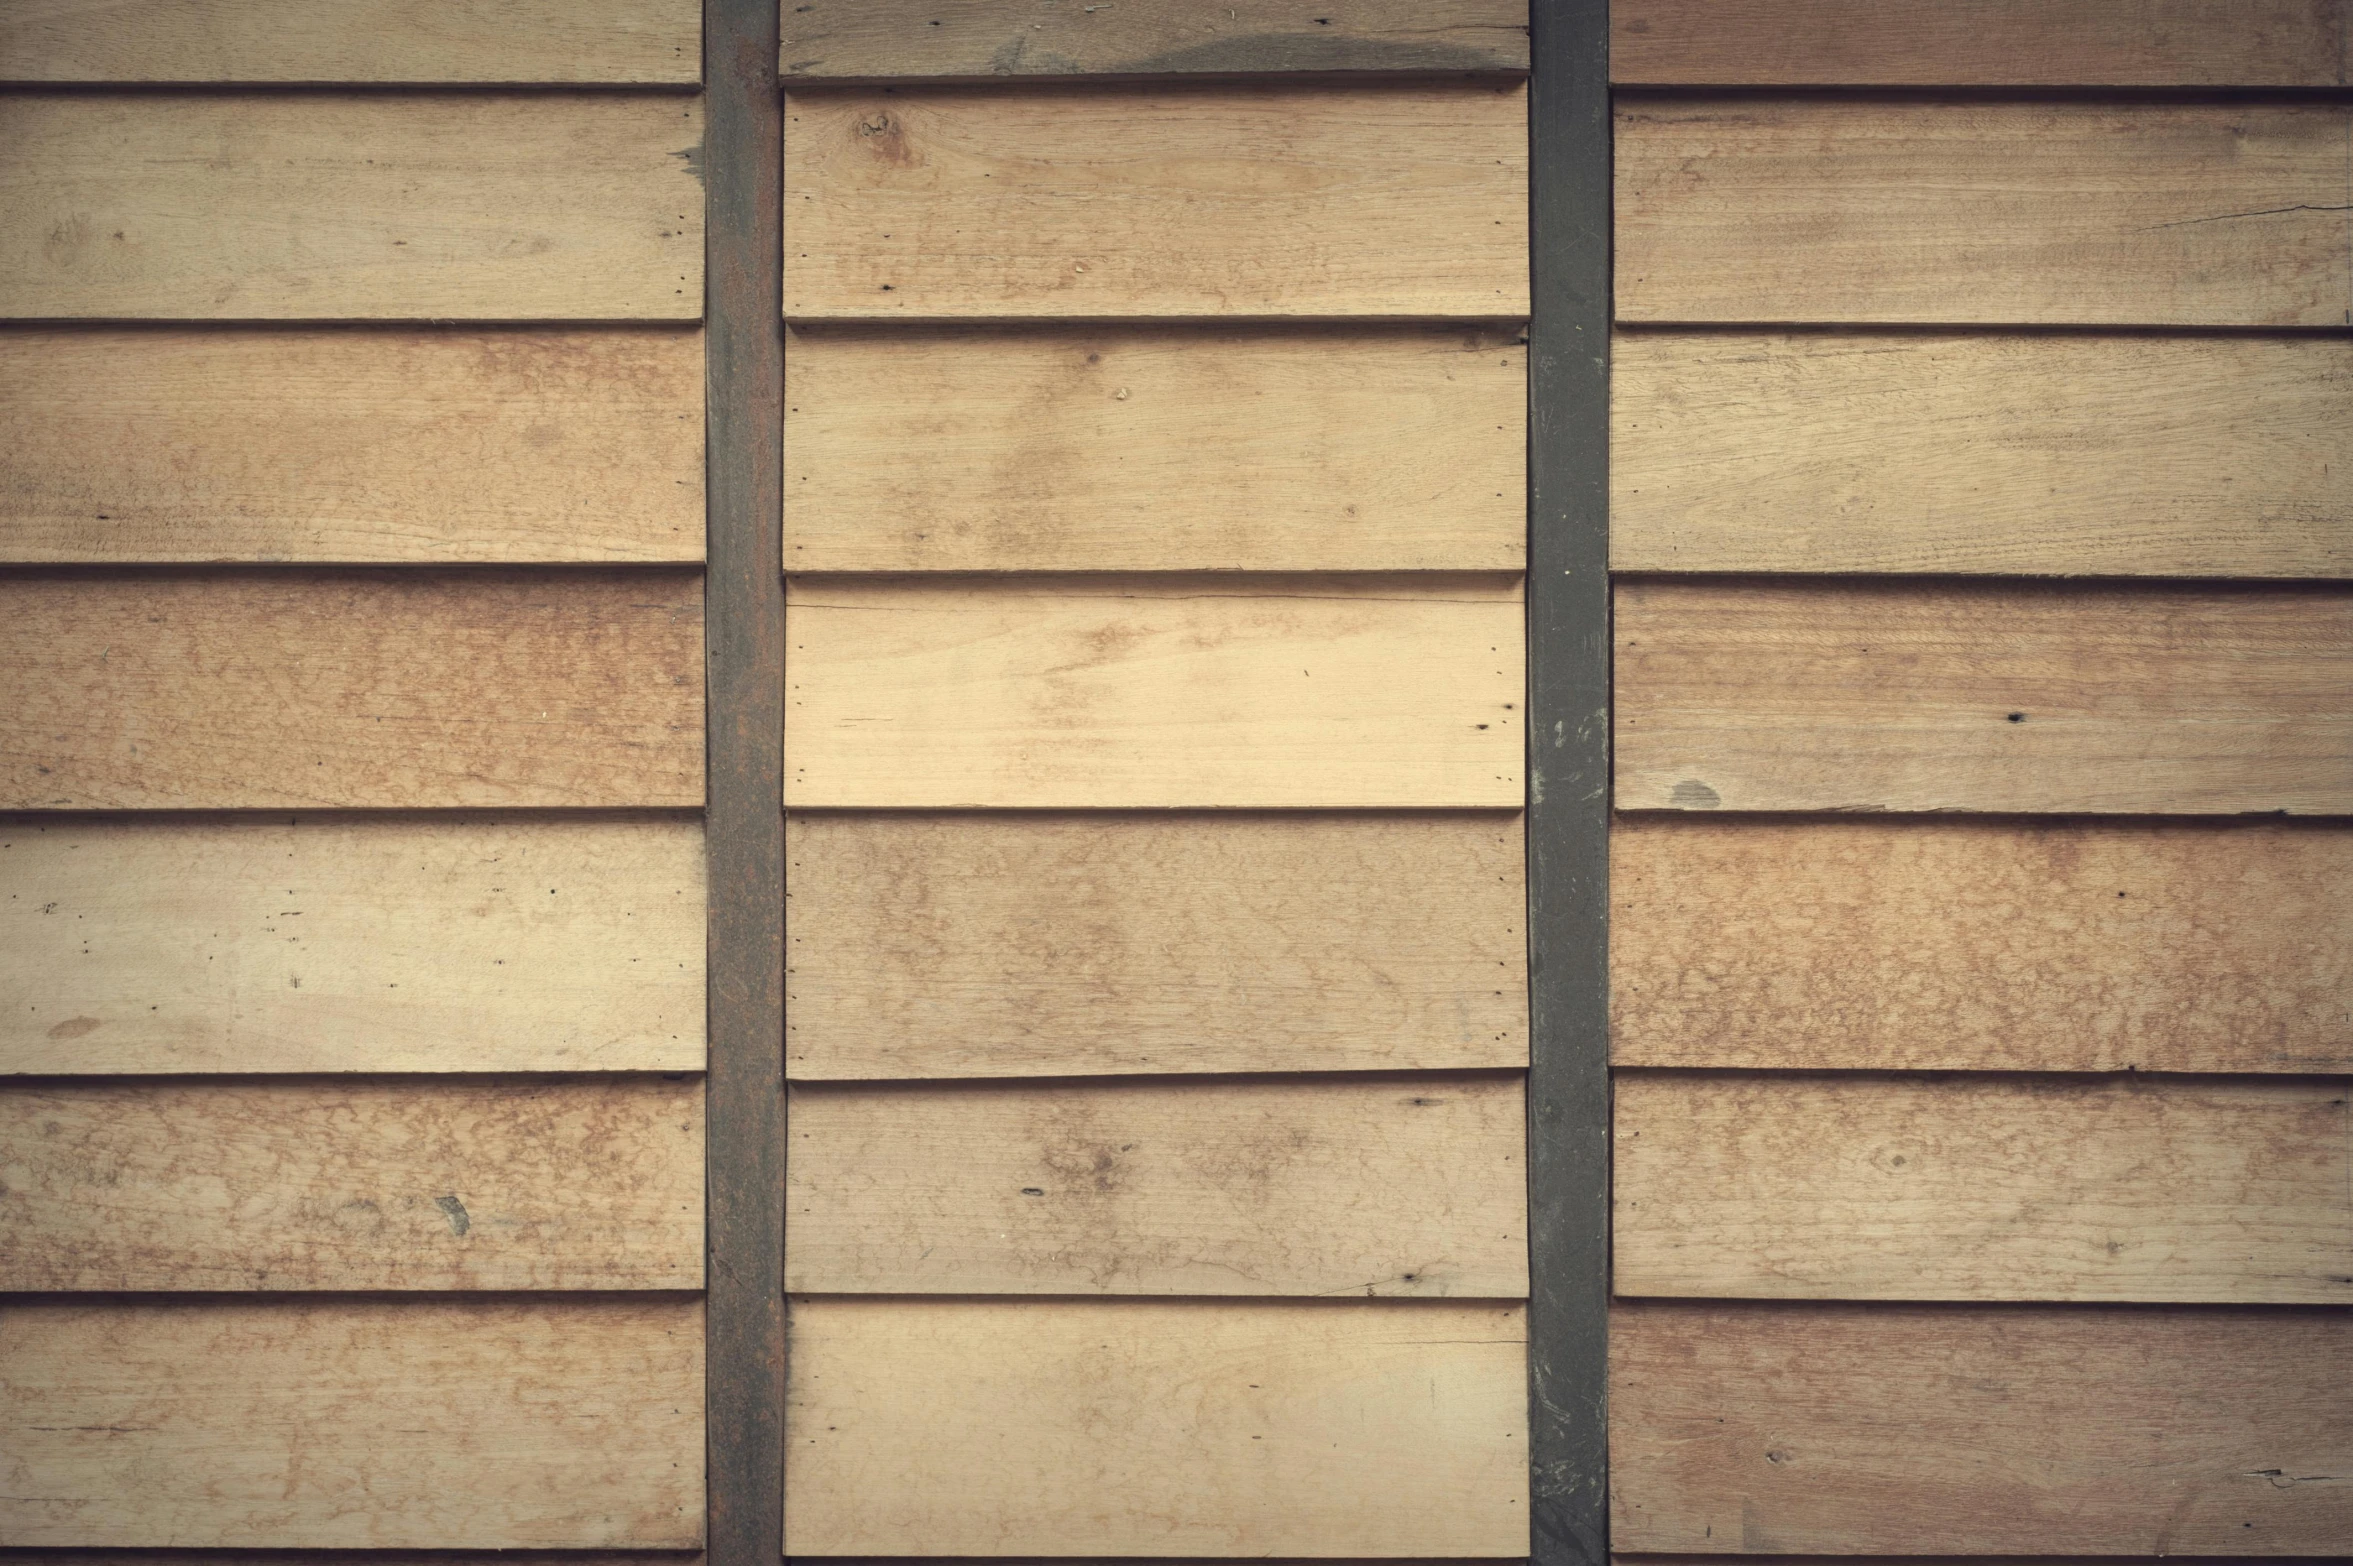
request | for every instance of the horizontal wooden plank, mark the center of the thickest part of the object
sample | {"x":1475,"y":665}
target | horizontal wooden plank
{"x":1979,"y":43}
{"x":2012,"y":697}
{"x":1218,"y":201}
{"x":1386,"y":1185}
{"x":349,"y":1423}
{"x":2153,"y":214}
{"x":355,"y":207}
{"x":609,"y":41}
{"x":349,"y":446}
{"x":1148,"y":1427}
{"x":384,"y":690}
{"x":1153,"y":692}
{"x":80,"y":1557}
{"x":1956,"y":945}
{"x":2025,"y":455}
{"x":2185,"y":1189}
{"x":1081,"y":450}
{"x":1959,"y":1430}
{"x":1045,"y":944}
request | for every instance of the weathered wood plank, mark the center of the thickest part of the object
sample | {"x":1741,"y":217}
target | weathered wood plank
{"x":649,"y":42}
{"x":2023,"y":455}
{"x":1154,"y":692}
{"x":355,"y":207}
{"x":1044,"y":944}
{"x":2156,"y":214}
{"x":1093,"y":202}
{"x":385,"y":690}
{"x":1146,"y":1427}
{"x":380,"y":1183}
{"x":1979,"y":43}
{"x":1388,"y":1185}
{"x":2185,"y":1189}
{"x":2010,"y":697}
{"x":350,"y":1423}
{"x":1082,"y":450}
{"x":1898,"y":1429}
{"x":1947,"y":945}
{"x":346,"y":446}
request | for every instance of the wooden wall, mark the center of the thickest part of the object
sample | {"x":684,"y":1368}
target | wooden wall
{"x":1979,"y":998}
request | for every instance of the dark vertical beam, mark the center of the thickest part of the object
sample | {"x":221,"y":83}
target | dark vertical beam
{"x":744,"y":604}
{"x":1569,"y":781}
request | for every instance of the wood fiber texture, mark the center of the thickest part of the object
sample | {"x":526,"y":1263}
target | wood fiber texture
{"x":1405,"y":200}
{"x":371,"y":690}
{"x":419,"y":447}
{"x":1984,"y":697}
{"x":1081,"y":449}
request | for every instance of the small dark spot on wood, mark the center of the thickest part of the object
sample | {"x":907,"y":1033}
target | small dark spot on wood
{"x":455,"y":1211}
{"x":1031,"y":1190}
{"x":2017,"y":717}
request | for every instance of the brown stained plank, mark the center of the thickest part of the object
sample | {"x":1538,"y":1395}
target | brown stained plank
{"x":350,"y":207}
{"x":1910,"y":1429}
{"x":1409,"y":200}
{"x":1138,"y":1427}
{"x":382,"y":690}
{"x":343,"y":446}
{"x":2032,"y":455}
{"x":383,"y":1183}
{"x":2008,"y":697}
{"x":1081,"y":449}
{"x":421,"y":1423}
{"x":1153,"y":692}
{"x":1389,"y":1185}
{"x":1780,"y":1186}
{"x":1044,"y":944}
{"x":1972,"y":946}
{"x":2150,"y":214}
{"x":1988,"y":43}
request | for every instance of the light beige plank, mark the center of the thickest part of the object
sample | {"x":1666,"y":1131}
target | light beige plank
{"x":1154,"y":692}
{"x":1144,"y":1427}
{"x":1042,"y":944}
{"x":203,"y":445}
{"x":382,"y":1183}
{"x":1109,"y":201}
{"x":2184,"y":1189}
{"x":611,"y":41}
{"x":356,"y":207}
{"x":373,"y":690}
{"x":1082,"y":450}
{"x":1389,"y":1185}
{"x":2152,"y":214}
{"x":1988,"y":43}
{"x":1895,"y":1429}
{"x":1913,"y":696}
{"x":1949,"y":945}
{"x":2034,"y":455}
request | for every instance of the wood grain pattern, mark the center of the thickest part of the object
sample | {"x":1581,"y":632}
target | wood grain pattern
{"x":346,"y":446}
{"x":1946,"y":945}
{"x":2035,"y":455}
{"x":604,"y":41}
{"x":1220,"y":201}
{"x":2154,"y":214}
{"x":354,"y":1423}
{"x":2183,"y":1189}
{"x":1990,"y":43}
{"x":358,"y":207}
{"x":386,"y":690}
{"x":1153,"y":692}
{"x":2010,"y":697}
{"x":1386,"y":1185}
{"x":1044,"y":944}
{"x":1906,"y":1429}
{"x":381,"y":1183}
{"x":1147,"y":1427}
{"x":1081,"y":450}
